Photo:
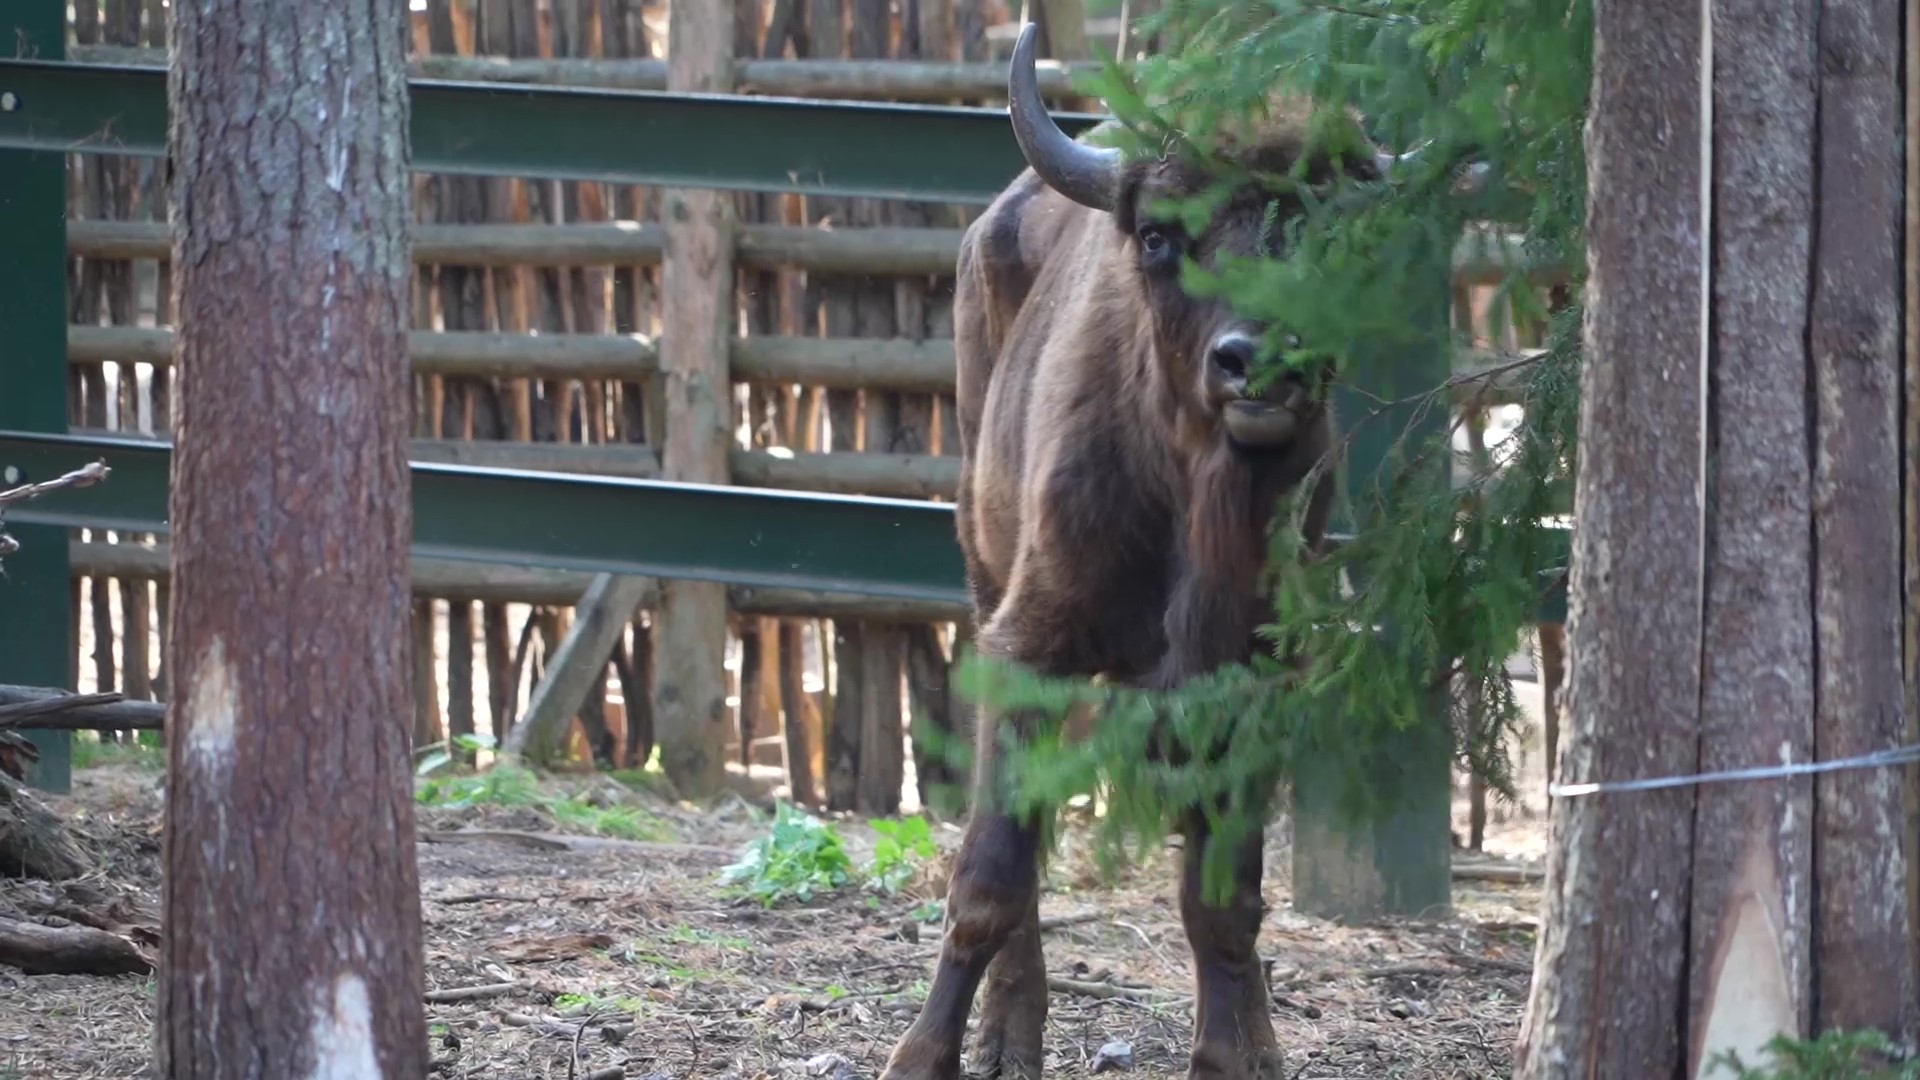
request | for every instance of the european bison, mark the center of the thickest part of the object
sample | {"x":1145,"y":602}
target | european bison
{"x":1116,"y":478}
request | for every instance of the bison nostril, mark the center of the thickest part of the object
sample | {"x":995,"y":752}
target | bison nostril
{"x":1233,"y":355}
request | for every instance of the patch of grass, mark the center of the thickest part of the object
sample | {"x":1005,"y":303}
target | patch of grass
{"x":693,"y":935}
{"x":145,"y":752}
{"x":620,"y":822}
{"x":509,"y":783}
{"x":596,"y":1003}
{"x":1834,"y":1055}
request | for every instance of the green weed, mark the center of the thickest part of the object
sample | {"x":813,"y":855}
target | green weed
{"x":904,"y":845}
{"x":509,"y":783}
{"x":1834,"y":1055}
{"x":800,"y":857}
{"x":145,"y":752}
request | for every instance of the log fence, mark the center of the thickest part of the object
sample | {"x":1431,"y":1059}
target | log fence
{"x":539,"y":346}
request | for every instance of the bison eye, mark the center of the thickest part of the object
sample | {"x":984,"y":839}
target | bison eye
{"x":1156,"y":246}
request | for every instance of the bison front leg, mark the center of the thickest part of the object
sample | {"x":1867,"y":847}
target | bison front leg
{"x":1013,"y":1010}
{"x":1233,"y":1035}
{"x":992,"y":892}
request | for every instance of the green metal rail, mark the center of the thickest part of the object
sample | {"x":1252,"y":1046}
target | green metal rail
{"x":739,"y":536}
{"x":935,"y":153}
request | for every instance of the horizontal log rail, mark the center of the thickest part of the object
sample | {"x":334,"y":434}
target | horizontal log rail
{"x":461,"y":579}
{"x":1479,"y":259}
{"x":898,"y":364}
{"x":886,"y":80}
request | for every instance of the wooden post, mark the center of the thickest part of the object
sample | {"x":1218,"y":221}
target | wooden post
{"x":578,"y":663}
{"x":291,"y":896}
{"x":1613,"y":943}
{"x":690,"y":706}
{"x":1747,"y":978}
{"x":1910,"y":370}
{"x":1863,"y":932}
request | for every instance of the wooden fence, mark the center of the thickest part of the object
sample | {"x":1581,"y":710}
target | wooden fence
{"x":539,"y":345}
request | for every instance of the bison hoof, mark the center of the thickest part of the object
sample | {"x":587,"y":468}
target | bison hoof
{"x":1257,"y":1065}
{"x":1006,"y":1052}
{"x":915,"y":1060}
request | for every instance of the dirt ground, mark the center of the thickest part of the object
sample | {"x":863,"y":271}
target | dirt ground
{"x":674,"y":979}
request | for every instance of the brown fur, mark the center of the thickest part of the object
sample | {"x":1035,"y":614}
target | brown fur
{"x":1110,"y":527}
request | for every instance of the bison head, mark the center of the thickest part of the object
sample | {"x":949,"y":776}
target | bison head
{"x":1205,"y":350}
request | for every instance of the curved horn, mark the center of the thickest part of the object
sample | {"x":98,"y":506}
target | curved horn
{"x":1469,"y":182}
{"x":1085,"y":174}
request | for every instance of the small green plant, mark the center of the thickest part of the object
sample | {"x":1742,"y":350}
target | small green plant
{"x":506,"y":784}
{"x":621,"y":822}
{"x":903,"y":846}
{"x":1833,"y":1055}
{"x":145,"y":752}
{"x":565,"y":1003}
{"x":799,"y":857}
{"x":438,"y":755}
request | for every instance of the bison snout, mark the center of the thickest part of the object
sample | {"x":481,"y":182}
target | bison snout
{"x":1267,"y":418}
{"x":1232,"y":357}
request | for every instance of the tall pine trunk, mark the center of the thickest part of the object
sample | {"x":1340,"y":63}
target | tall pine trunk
{"x":292,"y":940}
{"x":1608,"y":989}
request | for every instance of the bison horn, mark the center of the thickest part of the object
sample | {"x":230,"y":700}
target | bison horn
{"x":1468,"y":183}
{"x":1085,"y":174}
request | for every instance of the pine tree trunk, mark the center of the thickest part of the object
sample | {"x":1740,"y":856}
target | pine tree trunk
{"x":1612,"y":954}
{"x":291,"y":893}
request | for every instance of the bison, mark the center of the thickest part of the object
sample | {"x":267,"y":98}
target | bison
{"x":1117,"y":473}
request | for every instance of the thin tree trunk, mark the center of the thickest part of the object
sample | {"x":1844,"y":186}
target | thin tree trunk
{"x":1609,"y":981}
{"x":292,"y":912}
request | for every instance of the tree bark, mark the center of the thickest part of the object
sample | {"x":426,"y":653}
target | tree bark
{"x":1608,"y":988}
{"x":292,"y":914}
{"x":1752,"y":905}
{"x":1862,"y":933}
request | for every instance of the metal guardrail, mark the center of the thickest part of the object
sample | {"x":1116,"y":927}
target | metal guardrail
{"x":734,"y":535}
{"x":931,"y":152}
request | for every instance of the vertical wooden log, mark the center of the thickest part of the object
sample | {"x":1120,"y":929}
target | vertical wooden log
{"x":690,"y":710}
{"x":1750,"y":932}
{"x":427,"y":727}
{"x":291,"y":621}
{"x":1911,"y":475}
{"x":1610,"y":975}
{"x":1863,"y":934}
{"x":160,"y":387}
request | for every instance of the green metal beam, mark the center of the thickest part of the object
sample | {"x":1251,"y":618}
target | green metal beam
{"x":738,"y":536}
{"x":935,"y":153}
{"x":570,"y":521}
{"x":36,"y":622}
